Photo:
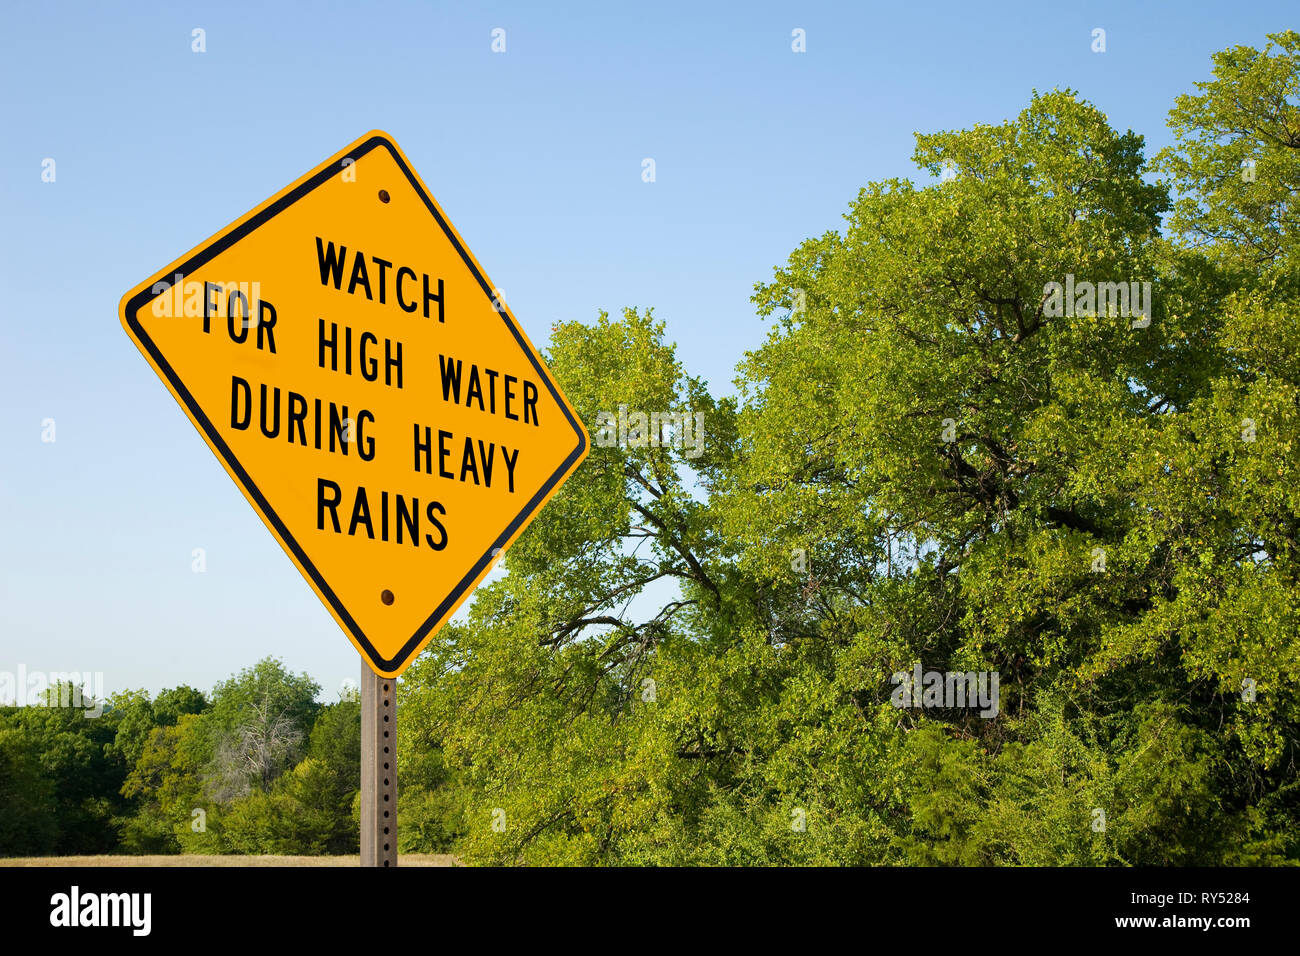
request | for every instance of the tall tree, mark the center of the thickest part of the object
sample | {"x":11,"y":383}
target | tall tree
{"x":938,"y":460}
{"x":261,"y":717}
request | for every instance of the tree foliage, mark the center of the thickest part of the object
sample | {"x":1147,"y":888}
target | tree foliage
{"x":927,"y":464}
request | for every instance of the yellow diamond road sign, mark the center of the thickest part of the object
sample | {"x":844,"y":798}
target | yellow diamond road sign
{"x":363,"y":382}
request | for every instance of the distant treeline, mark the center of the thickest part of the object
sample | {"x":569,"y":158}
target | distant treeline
{"x":257,"y":766}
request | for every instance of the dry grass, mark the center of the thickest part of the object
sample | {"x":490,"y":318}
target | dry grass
{"x":406,"y":859}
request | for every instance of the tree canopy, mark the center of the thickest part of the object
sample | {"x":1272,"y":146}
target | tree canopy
{"x":926,"y":464}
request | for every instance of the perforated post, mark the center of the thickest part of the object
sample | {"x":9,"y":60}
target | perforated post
{"x":378,"y":769}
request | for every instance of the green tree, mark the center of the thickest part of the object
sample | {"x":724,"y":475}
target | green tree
{"x":174,"y":702}
{"x":1229,"y":500}
{"x":261,"y":718}
{"x":1236,"y":159}
{"x":167,"y":786}
{"x":135,"y":720}
{"x":74,"y":742}
{"x":327,"y":786}
{"x":553,"y":664}
{"x":304,"y":814}
{"x":335,"y":742}
{"x":690,"y":660}
{"x":27,"y":828}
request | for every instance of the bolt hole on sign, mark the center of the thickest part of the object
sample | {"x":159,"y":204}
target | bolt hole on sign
{"x":346,"y":359}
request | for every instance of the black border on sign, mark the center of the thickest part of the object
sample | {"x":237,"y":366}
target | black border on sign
{"x":228,"y":239}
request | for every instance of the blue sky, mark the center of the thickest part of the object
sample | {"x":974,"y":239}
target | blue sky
{"x":536,"y":156}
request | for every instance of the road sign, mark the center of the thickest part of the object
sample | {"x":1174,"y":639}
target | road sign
{"x":346,"y":358}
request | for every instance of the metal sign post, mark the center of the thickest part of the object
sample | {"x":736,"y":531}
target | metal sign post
{"x":378,"y":769}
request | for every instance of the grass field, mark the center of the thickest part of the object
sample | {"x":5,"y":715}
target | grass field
{"x":408,"y":859}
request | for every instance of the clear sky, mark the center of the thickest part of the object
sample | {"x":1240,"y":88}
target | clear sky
{"x":536,"y":156}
